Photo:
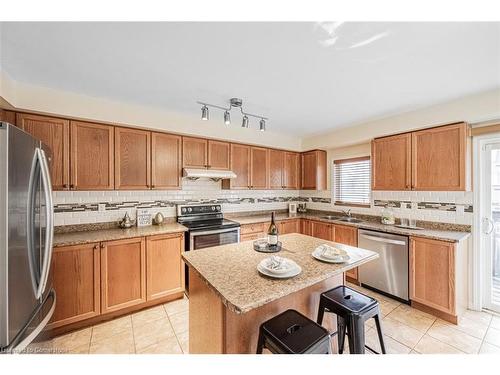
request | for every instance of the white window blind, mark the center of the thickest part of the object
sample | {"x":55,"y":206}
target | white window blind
{"x":351,"y":180}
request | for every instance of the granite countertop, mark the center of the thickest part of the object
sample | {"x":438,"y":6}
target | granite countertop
{"x":436,"y":234}
{"x":231,"y":270}
{"x":82,"y":237}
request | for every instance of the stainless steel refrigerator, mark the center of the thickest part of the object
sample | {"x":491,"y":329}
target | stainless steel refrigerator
{"x":27,"y":300}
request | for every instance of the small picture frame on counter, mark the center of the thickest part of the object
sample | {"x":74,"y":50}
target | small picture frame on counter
{"x":144,"y":218}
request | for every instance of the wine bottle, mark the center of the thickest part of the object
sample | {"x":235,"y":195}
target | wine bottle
{"x":272,"y":232}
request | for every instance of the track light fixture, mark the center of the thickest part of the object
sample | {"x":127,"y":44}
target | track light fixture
{"x":204,"y":113}
{"x":233,"y":102}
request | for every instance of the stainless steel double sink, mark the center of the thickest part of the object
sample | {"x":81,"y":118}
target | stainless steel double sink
{"x":346,"y":219}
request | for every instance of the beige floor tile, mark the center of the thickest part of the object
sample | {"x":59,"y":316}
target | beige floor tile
{"x":148,"y":316}
{"x":493,"y":336}
{"x":121,"y":343}
{"x":176,"y":306}
{"x":478,"y":316}
{"x":455,"y":338}
{"x":401,"y":332}
{"x":84,"y":349}
{"x":391,"y":346}
{"x":430,"y":345}
{"x":466,"y":325}
{"x":495,"y":322}
{"x":72,"y":340}
{"x":43,"y":347}
{"x":180,"y":322}
{"x":414,"y":352}
{"x":152,"y":333}
{"x":412,"y":317}
{"x":167,"y":346}
{"x":487,"y":348}
{"x":387,"y":307}
{"x":112,"y":328}
{"x":184,"y":341}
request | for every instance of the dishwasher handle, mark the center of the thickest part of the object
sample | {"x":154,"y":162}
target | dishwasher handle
{"x":384,"y":240}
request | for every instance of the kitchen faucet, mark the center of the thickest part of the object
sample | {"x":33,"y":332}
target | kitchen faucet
{"x":347,"y":212}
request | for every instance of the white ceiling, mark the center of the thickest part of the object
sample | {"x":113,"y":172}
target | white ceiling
{"x":307,"y":78}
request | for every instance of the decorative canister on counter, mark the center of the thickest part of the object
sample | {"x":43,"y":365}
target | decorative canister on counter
{"x":158,"y":219}
{"x":388,"y":216}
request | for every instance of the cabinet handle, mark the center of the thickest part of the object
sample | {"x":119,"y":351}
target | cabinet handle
{"x":71,"y":186}
{"x":96,"y":247}
{"x":102,"y":246}
{"x":152,"y":186}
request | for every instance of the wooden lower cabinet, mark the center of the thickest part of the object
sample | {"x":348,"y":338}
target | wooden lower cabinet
{"x":305,"y":227}
{"x":432,"y":274}
{"x":347,"y":235}
{"x":123,"y":272}
{"x":322,"y":230}
{"x":76,"y":280}
{"x":288,"y":226}
{"x":165,"y":269}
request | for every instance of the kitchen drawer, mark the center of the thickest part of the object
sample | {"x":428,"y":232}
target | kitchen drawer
{"x":252,"y":228}
{"x":252,"y":236}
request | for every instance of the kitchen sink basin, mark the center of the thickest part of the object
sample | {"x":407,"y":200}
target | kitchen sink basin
{"x":350,"y":220}
{"x":330,"y":217}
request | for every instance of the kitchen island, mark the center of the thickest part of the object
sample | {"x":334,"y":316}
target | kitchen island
{"x":229,"y":299}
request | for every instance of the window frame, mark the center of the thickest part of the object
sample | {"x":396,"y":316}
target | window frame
{"x":334,"y":187}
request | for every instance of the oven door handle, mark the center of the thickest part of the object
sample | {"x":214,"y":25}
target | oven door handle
{"x":215,"y":231}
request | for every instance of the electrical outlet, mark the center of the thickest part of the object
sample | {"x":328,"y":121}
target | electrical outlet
{"x":101,"y":206}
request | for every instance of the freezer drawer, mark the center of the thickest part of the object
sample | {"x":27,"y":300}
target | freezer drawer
{"x":388,"y":273}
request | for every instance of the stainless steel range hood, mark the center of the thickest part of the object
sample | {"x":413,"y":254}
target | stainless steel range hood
{"x":213,"y":174}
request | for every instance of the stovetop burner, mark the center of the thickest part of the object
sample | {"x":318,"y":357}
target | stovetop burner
{"x":203,"y":217}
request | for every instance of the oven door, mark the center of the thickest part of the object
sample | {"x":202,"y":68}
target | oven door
{"x":202,"y":239}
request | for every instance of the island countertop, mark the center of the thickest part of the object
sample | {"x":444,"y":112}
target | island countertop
{"x":231,"y":270}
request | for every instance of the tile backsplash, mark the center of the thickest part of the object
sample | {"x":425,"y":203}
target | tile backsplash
{"x":82,"y":207}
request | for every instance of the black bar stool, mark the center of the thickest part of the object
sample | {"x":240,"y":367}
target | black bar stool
{"x":353,"y":309}
{"x":293,"y":333}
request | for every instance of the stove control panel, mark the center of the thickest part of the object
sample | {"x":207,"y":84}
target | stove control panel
{"x":199,"y":209}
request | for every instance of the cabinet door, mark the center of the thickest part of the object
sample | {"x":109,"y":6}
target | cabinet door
{"x":322,"y":230}
{"x":288,"y":226}
{"x":194,"y":152}
{"x":391,"y":163}
{"x":132,"y":159}
{"x":123,"y":273}
{"x":439,"y":158}
{"x":165,"y":161}
{"x":76,"y":280}
{"x":276,"y":164}
{"x":313,"y":170}
{"x":240,"y":164}
{"x":92,"y":156}
{"x":432,"y":274}
{"x":291,"y":170}
{"x":348,"y":236}
{"x":54,"y":132}
{"x":305,"y":227}
{"x":164,"y":266}
{"x":219,"y":155}
{"x":8,"y":116}
{"x":259,"y":168}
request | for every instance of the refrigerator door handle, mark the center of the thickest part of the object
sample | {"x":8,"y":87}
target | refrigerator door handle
{"x":49,"y":230}
{"x":30,"y":234}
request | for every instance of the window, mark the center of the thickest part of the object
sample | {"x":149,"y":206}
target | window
{"x":351,"y":181}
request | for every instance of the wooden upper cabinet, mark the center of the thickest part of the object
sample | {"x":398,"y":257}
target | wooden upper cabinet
{"x":54,"y":132}
{"x":313,"y":170}
{"x":276,"y":163}
{"x":259,"y":168}
{"x":123,"y":274}
{"x":164,"y":266}
{"x":240,"y":165}
{"x":165,"y":161}
{"x":76,"y":279}
{"x":291,"y":170}
{"x":440,"y":158}
{"x":92,"y":156}
{"x":132,"y":159}
{"x":432,"y":274}
{"x":8,"y":116}
{"x":194,"y":152}
{"x":219,"y":155}
{"x":391,"y":163}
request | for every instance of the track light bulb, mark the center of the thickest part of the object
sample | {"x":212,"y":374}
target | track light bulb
{"x":227,"y":118}
{"x":244,"y":124}
{"x":262,"y":125}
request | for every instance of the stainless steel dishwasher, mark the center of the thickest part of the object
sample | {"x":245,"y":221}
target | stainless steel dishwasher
{"x":388,"y":273}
